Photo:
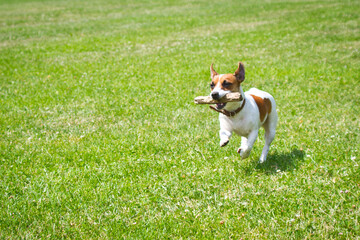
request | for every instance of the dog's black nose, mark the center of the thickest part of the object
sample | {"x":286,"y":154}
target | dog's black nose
{"x":215,"y":95}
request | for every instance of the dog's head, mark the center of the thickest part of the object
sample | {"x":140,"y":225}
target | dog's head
{"x":221,"y":84}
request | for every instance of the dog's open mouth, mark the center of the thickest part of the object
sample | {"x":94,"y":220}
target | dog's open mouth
{"x":220,"y":105}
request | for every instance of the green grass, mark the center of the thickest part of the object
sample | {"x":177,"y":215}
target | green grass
{"x":100,"y":138}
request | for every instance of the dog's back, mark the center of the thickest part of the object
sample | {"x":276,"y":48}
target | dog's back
{"x":265,"y":103}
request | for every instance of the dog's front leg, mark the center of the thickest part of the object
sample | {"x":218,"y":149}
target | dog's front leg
{"x":225,"y":130}
{"x":224,"y":137}
{"x":247,"y":144}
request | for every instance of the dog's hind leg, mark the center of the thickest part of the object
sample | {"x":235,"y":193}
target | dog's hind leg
{"x":270,"y":129}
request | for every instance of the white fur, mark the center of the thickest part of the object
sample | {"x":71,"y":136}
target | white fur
{"x":247,"y":123}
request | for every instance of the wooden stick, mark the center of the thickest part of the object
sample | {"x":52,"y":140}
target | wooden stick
{"x":230,"y":97}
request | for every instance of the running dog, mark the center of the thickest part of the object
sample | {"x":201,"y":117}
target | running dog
{"x":256,"y":109}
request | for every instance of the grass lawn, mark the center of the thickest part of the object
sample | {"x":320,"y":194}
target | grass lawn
{"x":100,"y":138}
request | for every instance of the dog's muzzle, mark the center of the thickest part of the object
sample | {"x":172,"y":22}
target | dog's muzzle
{"x":215,"y":95}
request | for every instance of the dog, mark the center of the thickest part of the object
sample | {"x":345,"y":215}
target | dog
{"x":256,"y":109}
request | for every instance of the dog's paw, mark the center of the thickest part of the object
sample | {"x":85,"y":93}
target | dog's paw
{"x":223,"y":143}
{"x":262,"y":159}
{"x":243,"y":153}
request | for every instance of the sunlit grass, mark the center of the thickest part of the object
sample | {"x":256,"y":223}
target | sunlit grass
{"x":100,"y":137}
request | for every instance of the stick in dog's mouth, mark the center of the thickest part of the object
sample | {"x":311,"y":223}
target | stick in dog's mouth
{"x":230,"y":97}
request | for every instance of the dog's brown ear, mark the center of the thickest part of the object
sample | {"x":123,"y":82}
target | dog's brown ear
{"x":240,"y":72}
{"x":212,"y":71}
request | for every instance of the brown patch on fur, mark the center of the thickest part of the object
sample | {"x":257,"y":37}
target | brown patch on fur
{"x":229,"y":78}
{"x":232,"y":84}
{"x":264,"y":105}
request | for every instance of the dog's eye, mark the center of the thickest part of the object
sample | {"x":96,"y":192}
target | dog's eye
{"x":212,"y":85}
{"x":226,"y":84}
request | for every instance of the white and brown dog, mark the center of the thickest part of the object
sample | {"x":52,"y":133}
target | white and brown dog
{"x":256,"y":109}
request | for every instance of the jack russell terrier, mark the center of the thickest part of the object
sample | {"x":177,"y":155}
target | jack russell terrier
{"x":256,"y":109}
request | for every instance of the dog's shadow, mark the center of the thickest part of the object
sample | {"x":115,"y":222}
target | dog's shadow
{"x":284,"y":162}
